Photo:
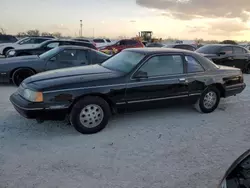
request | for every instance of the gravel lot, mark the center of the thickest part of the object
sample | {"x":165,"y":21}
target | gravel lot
{"x":173,"y":147}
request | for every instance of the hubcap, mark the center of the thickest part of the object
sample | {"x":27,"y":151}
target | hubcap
{"x":91,"y":116}
{"x":210,"y":100}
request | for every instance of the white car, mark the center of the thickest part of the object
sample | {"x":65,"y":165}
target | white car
{"x":98,"y":42}
{"x":25,"y":42}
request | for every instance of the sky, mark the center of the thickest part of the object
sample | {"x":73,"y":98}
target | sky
{"x":183,"y":19}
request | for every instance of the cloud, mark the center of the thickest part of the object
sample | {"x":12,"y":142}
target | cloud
{"x":190,"y":9}
{"x":220,"y":27}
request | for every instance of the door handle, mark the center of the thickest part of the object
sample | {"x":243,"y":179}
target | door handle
{"x":183,"y":80}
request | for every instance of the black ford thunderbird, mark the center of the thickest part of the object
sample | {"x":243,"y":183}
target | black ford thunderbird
{"x":89,"y":95}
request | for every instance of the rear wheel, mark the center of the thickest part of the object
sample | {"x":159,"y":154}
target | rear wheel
{"x":90,"y":115}
{"x":21,"y":74}
{"x":208,"y":101}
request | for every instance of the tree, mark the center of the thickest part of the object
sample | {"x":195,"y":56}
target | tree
{"x":229,"y":42}
{"x":2,"y":31}
{"x":21,"y":34}
{"x":57,"y":34}
{"x":46,"y":34}
{"x":33,"y":32}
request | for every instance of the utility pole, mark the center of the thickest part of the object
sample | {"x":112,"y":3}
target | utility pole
{"x":80,"y":28}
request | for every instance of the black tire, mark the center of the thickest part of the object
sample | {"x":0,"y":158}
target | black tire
{"x":21,"y":74}
{"x":78,"y":109}
{"x":247,"y":69}
{"x":6,"y":50}
{"x":201,"y":105}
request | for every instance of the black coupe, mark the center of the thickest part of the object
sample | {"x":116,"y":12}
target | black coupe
{"x":141,"y":77}
{"x":16,"y":69}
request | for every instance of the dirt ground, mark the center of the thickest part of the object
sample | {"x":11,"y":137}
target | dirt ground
{"x":172,"y":147}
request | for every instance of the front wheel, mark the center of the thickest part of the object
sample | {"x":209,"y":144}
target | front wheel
{"x":208,"y":101}
{"x":21,"y":74}
{"x":90,"y":115}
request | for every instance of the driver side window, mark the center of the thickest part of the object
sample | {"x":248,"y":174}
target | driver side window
{"x":163,"y":65}
{"x":227,"y":50}
{"x":66,"y":55}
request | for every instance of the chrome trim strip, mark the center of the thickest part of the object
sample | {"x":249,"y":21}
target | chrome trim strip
{"x":120,"y":103}
{"x":195,"y":94}
{"x":157,"y":99}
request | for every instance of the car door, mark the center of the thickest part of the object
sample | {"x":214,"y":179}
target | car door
{"x":240,"y":58}
{"x":195,"y":74}
{"x":68,"y":58}
{"x":161,"y":77}
{"x":225,"y":56}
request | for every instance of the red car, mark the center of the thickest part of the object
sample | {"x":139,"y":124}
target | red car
{"x":120,"y":45}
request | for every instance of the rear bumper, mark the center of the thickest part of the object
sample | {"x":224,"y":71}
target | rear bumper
{"x":32,"y":110}
{"x":234,"y":89}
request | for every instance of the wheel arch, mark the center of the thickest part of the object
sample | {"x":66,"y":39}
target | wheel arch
{"x":220,"y":87}
{"x":103,"y":96}
{"x":5,"y":50}
{"x":20,"y":68}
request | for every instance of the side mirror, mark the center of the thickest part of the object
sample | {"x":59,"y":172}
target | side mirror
{"x":238,"y":174}
{"x":140,"y":74}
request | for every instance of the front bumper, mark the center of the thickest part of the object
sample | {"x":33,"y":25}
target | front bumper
{"x":38,"y":111}
{"x":234,"y":89}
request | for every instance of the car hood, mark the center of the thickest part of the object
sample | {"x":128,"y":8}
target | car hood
{"x":3,"y":44}
{"x":19,"y":59}
{"x":68,"y":76}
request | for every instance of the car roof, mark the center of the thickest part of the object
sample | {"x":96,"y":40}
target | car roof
{"x":69,"y":40}
{"x":74,"y":47}
{"x":149,"y":50}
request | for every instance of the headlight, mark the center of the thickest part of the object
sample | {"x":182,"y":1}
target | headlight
{"x":12,"y":52}
{"x":33,"y":96}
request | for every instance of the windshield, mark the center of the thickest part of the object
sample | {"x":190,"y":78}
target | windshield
{"x":50,"y":53}
{"x":22,"y":40}
{"x":124,"y":61}
{"x":208,"y":49}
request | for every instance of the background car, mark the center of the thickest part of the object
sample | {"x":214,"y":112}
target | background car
{"x":142,"y":77}
{"x":155,"y":44}
{"x":121,"y":45}
{"x":227,"y":54}
{"x":7,"y":39}
{"x":97,"y":42}
{"x":181,"y":46}
{"x":19,"y":68}
{"x":46,"y":46}
{"x":28,"y":42}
